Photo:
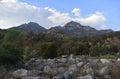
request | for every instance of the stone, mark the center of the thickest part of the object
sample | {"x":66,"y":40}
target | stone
{"x":59,"y":77}
{"x":35,"y":72}
{"x":80,"y":64}
{"x":104,"y":70}
{"x":86,"y":77}
{"x":20,"y":73}
{"x":61,"y":70}
{"x":118,"y":60}
{"x":67,"y":75}
{"x":49,"y":70}
{"x":105,"y":61}
{"x":3,"y":71}
{"x":73,"y":68}
{"x":30,"y":77}
{"x":107,"y":77}
{"x":62,"y":60}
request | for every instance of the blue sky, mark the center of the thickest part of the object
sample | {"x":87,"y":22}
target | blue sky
{"x":106,"y":12}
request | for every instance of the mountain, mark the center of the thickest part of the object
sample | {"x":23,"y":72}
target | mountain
{"x":30,"y":27}
{"x":69,"y":29}
{"x":74,"y":28}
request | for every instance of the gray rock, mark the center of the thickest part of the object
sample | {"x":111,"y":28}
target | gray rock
{"x":61,"y":70}
{"x":73,"y":68}
{"x":80,"y":64}
{"x":3,"y":71}
{"x":118,"y":60}
{"x":104,"y":71}
{"x":32,"y":77}
{"x":105,"y":61}
{"x":35,"y":72}
{"x":107,"y":77}
{"x":62,"y":60}
{"x":20,"y":73}
{"x":88,"y":69}
{"x":59,"y":77}
{"x":49,"y":70}
{"x":67,"y":75}
{"x":86,"y":77}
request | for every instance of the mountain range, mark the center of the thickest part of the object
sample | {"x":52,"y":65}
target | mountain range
{"x":70,"y":28}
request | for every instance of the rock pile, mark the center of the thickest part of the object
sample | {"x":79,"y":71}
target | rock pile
{"x":66,"y":67}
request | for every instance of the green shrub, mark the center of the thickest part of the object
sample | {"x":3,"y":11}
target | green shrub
{"x":48,"y":50}
{"x":10,"y":54}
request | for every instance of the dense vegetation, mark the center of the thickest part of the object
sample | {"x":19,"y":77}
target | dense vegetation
{"x":16,"y":46}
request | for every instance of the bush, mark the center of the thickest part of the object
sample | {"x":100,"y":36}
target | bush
{"x":80,"y":49}
{"x":10,"y":54}
{"x":49,"y":50}
{"x":13,"y":36}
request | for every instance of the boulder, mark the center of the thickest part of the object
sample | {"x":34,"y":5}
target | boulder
{"x":32,"y":77}
{"x":118,"y":60}
{"x":62,"y":60}
{"x":86,"y":77}
{"x":59,"y":77}
{"x":67,"y":75}
{"x":104,"y":71}
{"x":20,"y":73}
{"x":35,"y":73}
{"x":80,"y":64}
{"x":49,"y":70}
{"x":3,"y":71}
{"x":60,"y":70}
{"x":73,"y":68}
{"x":105,"y":61}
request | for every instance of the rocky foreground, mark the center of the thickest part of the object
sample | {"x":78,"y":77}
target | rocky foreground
{"x":65,"y":67}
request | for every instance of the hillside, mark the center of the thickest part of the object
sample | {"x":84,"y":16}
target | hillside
{"x":43,"y":55}
{"x":69,"y":29}
{"x":30,"y":27}
{"x":73,"y":28}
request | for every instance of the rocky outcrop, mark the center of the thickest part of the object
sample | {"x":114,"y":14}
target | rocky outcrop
{"x":67,"y":67}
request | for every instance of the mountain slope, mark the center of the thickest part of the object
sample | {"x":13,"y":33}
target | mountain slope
{"x":69,"y":29}
{"x":74,"y":28}
{"x":30,"y":27}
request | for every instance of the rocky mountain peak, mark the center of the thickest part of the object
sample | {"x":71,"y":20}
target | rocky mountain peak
{"x":30,"y":27}
{"x":73,"y":24}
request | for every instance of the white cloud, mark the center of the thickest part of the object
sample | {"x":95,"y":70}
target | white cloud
{"x":76,"y":11}
{"x":58,"y":18}
{"x":96,"y":20}
{"x":14,"y":12}
{"x":5,"y":1}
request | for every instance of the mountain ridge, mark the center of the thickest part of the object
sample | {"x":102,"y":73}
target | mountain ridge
{"x":75,"y":28}
{"x":30,"y":27}
{"x":71,"y":28}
